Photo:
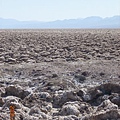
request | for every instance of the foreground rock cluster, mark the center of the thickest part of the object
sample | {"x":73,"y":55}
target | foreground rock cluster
{"x":60,"y":74}
{"x":96,"y":103}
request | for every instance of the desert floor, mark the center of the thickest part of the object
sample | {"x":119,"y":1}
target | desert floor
{"x":60,"y":74}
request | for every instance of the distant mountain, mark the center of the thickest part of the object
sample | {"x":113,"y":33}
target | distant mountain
{"x":89,"y":22}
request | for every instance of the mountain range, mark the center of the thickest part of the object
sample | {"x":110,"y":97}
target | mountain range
{"x":89,"y":22}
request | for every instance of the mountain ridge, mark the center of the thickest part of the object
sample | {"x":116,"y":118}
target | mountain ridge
{"x":88,"y":22}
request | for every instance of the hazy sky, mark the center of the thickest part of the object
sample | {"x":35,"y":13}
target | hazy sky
{"x":49,"y":10}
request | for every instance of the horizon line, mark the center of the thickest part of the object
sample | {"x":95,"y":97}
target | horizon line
{"x":56,"y":19}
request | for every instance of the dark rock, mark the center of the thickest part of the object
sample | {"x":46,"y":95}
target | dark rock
{"x":85,"y":73}
{"x":80,"y":78}
{"x":116,"y":100}
{"x":109,"y":88}
{"x":45,"y":96}
{"x":1,"y":102}
{"x":80,"y":93}
{"x":54,"y":75}
{"x":15,"y":91}
{"x":97,"y":95}
{"x":102,"y":74}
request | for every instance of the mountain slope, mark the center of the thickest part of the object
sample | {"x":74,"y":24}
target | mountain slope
{"x":89,"y":22}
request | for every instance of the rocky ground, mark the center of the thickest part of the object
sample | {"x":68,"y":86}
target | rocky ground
{"x":60,"y":74}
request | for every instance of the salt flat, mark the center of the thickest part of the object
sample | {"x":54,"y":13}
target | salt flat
{"x":60,"y":74}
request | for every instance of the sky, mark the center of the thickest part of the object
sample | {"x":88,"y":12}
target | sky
{"x":51,"y":10}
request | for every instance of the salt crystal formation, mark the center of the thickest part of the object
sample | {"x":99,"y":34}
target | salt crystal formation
{"x":60,"y":74}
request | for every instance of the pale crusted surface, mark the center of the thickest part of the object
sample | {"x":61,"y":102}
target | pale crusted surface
{"x":60,"y":74}
{"x":48,"y":45}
